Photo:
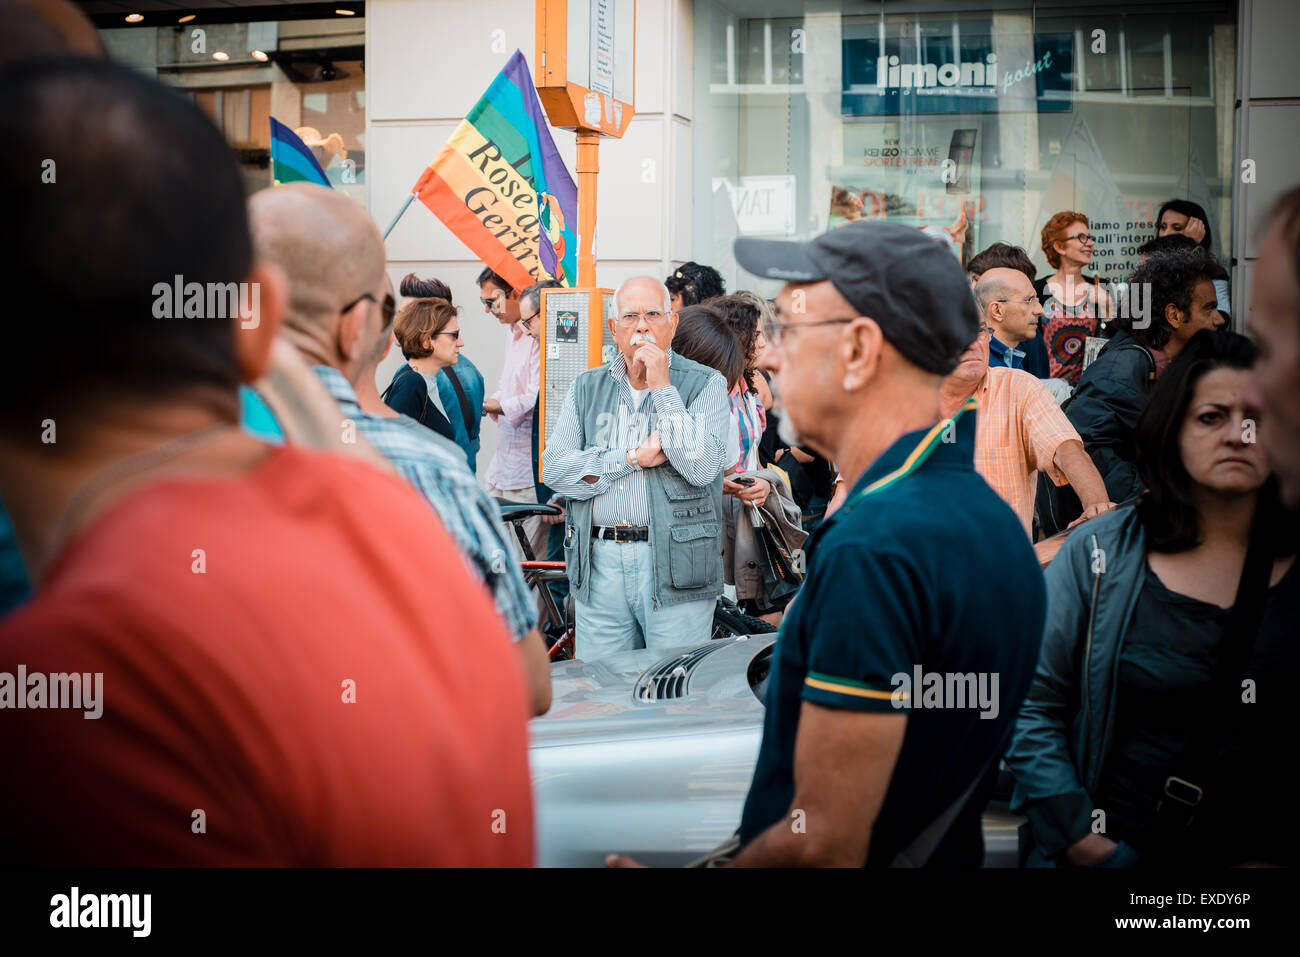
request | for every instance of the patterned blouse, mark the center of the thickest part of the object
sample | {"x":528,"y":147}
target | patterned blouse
{"x":1064,"y":329}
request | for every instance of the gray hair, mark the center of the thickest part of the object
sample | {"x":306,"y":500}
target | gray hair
{"x":534,"y":292}
{"x":618,"y":293}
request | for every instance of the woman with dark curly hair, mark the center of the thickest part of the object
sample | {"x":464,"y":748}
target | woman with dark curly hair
{"x":692,"y":283}
{"x":1075,"y":306}
{"x":1113,"y":390}
{"x":1157,"y":724}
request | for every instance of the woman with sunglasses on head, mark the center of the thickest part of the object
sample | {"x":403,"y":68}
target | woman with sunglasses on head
{"x":1075,"y":307}
{"x":428,"y":333}
{"x":1159,"y":718}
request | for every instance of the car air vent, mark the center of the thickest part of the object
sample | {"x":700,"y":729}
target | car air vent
{"x":671,"y":677}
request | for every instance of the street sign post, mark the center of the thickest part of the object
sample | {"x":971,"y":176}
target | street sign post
{"x":585,"y":78}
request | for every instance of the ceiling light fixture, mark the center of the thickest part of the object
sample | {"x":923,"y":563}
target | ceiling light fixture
{"x":134,"y":17}
{"x":221,"y":55}
{"x":260,"y":55}
{"x":345,"y":12}
{"x":187,"y":18}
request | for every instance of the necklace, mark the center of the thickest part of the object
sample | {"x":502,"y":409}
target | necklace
{"x":128,"y":465}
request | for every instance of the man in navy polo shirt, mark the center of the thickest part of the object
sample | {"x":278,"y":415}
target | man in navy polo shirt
{"x":900,"y":665}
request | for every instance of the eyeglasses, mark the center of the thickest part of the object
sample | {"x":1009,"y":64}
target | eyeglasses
{"x":389,"y":305}
{"x":1030,"y":301}
{"x":454,"y":333}
{"x":776,"y":330}
{"x":984,"y":329}
{"x":528,"y":320}
{"x":1084,"y":238}
{"x":653,"y":316}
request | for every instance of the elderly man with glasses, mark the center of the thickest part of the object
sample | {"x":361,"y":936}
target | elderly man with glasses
{"x":638,"y":453}
{"x":861,"y":762}
{"x":1012,"y":309}
{"x":299,"y":227}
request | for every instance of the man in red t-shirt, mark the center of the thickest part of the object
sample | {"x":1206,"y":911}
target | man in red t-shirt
{"x":269,"y":643}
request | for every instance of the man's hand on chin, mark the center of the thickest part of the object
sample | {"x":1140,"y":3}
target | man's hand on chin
{"x":655,"y":361}
{"x":621,"y":860}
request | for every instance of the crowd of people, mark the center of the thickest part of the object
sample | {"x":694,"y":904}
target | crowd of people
{"x":316,"y":641}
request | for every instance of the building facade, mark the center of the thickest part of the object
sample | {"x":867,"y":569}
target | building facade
{"x":780,"y":118}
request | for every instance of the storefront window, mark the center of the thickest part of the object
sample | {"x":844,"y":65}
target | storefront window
{"x":308,"y":74}
{"x":806,"y":118}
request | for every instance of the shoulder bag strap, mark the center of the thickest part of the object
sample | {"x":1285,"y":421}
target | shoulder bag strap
{"x":924,"y":844}
{"x":461,"y":398}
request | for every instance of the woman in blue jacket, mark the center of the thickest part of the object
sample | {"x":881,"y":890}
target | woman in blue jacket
{"x":1156,"y":728}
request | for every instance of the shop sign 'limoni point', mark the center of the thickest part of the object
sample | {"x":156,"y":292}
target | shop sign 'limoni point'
{"x":897,"y":76}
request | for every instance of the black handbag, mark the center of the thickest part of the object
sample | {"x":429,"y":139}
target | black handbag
{"x":780,"y":578}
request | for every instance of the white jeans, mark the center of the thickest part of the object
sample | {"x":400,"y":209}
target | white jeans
{"x":621,"y":615}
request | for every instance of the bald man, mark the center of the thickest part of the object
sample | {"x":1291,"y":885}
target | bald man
{"x":1020,"y":430}
{"x":340,"y":316}
{"x":1011,"y":309}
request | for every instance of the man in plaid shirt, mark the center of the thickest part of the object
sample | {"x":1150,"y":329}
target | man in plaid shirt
{"x":1020,"y":429}
{"x":331,"y":250}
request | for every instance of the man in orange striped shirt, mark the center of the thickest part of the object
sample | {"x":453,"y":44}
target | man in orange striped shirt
{"x":1021,"y":429}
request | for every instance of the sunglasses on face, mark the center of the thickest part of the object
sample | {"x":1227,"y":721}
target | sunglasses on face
{"x":389,"y":305}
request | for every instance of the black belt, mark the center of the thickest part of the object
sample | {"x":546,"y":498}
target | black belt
{"x":621,"y":533}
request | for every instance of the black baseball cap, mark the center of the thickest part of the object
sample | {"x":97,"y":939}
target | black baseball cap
{"x":910,"y":284}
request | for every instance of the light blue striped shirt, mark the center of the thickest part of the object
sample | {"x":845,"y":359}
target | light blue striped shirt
{"x":437,"y":469}
{"x":694,"y":440}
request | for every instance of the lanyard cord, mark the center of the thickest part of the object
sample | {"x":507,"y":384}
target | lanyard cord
{"x":915,"y":459}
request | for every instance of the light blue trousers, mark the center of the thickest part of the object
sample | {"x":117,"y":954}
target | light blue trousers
{"x":621,"y":615}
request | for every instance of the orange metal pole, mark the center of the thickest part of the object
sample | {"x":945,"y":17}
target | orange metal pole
{"x":587,"y":168}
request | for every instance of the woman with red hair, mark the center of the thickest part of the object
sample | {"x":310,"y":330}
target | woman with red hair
{"x":1074,"y":305}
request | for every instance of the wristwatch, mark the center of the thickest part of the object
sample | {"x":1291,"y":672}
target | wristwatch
{"x":630,"y":458}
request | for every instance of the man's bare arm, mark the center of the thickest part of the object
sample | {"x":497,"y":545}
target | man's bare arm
{"x":843,"y":762}
{"x":1074,"y":461}
{"x":537,"y":670}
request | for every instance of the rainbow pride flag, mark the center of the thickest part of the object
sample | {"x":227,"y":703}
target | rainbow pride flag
{"x":499,"y":184}
{"x":291,"y":159}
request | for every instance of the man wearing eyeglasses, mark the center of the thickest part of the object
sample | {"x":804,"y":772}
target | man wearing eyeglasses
{"x":510,"y":476}
{"x":855,"y":768}
{"x":343,"y":334}
{"x":638,"y":453}
{"x":1021,"y":430}
{"x":1011,"y":308}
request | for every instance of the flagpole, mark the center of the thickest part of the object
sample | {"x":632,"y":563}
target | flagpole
{"x":399,"y":215}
